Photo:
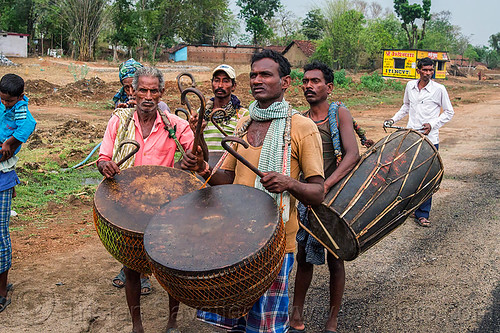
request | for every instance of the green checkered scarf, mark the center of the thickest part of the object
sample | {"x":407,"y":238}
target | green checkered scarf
{"x":271,"y":155}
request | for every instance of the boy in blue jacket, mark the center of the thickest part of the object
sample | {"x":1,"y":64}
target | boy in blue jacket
{"x":16,"y":125}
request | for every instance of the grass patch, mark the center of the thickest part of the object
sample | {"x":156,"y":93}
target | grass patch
{"x":19,"y":229}
{"x":95,"y":105}
{"x":369,"y":101}
{"x":38,"y":187}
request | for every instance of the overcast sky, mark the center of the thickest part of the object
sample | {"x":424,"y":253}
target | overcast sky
{"x":479,"y":19}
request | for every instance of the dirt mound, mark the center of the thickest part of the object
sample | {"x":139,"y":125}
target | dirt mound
{"x":94,"y":89}
{"x":39,"y":86}
{"x":72,"y":128}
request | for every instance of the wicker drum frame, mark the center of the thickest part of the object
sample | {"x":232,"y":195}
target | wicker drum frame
{"x":229,"y":288}
{"x":124,"y":245}
{"x":230,"y":292}
{"x":391,"y":181}
{"x":123,"y":206}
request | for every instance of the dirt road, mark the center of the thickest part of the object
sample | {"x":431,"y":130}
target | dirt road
{"x":439,"y":279}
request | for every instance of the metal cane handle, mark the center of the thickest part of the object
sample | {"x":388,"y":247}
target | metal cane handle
{"x":201,"y":113}
{"x":183,"y":111}
{"x":238,"y":156}
{"x":214,"y":112}
{"x":132,"y":153}
{"x":179,"y":84}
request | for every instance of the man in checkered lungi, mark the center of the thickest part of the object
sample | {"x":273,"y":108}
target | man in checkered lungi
{"x":271,"y":123}
{"x":16,"y":125}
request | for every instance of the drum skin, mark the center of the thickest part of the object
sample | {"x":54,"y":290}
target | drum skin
{"x":217,"y":249}
{"x":391,"y":181}
{"x":124,"y":205}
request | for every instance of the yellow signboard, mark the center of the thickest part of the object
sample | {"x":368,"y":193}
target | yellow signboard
{"x":400,"y":63}
{"x":403,"y":63}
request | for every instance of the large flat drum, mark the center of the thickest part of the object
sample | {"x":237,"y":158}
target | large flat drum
{"x":391,"y":180}
{"x":217,"y":249}
{"x":124,"y":205}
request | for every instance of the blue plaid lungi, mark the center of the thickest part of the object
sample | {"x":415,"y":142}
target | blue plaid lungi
{"x":5,"y":245}
{"x":315,"y":252}
{"x":268,"y":314}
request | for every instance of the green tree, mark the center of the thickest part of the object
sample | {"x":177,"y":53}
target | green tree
{"x":409,"y":14}
{"x":161,"y":20}
{"x":313,"y":26}
{"x":495,"y":42}
{"x":125,"y":27}
{"x":492,"y":59}
{"x":226,"y":29}
{"x":18,"y":16}
{"x":255,"y":12}
{"x":199,"y":22}
{"x":285,"y":27}
{"x":442,"y":35}
{"x":375,"y":37}
{"x":48,"y":24}
{"x":85,"y":18}
{"x":343,"y":35}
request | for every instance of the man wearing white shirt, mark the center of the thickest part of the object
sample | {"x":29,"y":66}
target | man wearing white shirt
{"x":422,"y":103}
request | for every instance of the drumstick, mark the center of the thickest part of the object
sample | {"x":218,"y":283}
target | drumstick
{"x":238,"y":156}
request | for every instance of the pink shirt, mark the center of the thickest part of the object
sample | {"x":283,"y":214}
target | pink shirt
{"x":157,"y":148}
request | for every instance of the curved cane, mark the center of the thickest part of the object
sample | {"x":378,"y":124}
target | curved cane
{"x":238,"y":156}
{"x":214,"y":112}
{"x":183,"y":111}
{"x":181,"y":89}
{"x":132,"y":153}
{"x":201,"y":113}
{"x":179,"y":84}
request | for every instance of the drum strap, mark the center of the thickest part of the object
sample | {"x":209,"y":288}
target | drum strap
{"x":334,"y":129}
{"x":126,"y":130}
{"x":171,"y":131}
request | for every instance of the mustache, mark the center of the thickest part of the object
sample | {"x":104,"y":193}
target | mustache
{"x":308,"y":91}
{"x":220,"y":90}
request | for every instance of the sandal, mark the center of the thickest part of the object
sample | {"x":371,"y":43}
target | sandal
{"x":145,"y":286}
{"x":423,"y":222}
{"x":173,"y":330}
{"x":119,"y":280}
{"x":4,"y":301}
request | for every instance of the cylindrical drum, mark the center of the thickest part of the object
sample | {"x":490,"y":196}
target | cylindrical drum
{"x":217,"y":249}
{"x":391,"y":180}
{"x":124,"y":205}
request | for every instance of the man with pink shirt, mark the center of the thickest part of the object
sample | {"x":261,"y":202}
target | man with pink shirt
{"x":146,"y":125}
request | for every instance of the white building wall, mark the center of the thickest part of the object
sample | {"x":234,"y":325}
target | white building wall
{"x":13,"y":45}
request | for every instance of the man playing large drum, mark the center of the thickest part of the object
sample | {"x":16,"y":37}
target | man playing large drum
{"x":266,"y":131}
{"x":145,"y":125}
{"x":340,"y":155}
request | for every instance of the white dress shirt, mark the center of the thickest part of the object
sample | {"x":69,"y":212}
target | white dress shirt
{"x":424,"y":106}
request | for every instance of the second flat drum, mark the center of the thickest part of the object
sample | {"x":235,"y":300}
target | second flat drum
{"x":217,"y":249}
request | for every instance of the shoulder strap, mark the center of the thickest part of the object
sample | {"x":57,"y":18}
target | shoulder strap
{"x":334,"y":129}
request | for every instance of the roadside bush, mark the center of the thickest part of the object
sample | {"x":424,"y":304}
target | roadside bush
{"x":341,"y":80}
{"x":372,"y":82}
{"x":297,"y":76}
{"x":395,"y":85}
{"x":377,"y":83}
